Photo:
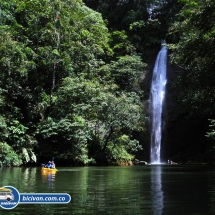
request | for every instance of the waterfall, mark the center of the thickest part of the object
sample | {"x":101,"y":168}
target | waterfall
{"x":157,"y":95}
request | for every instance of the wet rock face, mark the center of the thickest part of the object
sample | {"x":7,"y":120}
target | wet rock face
{"x":184,"y":137}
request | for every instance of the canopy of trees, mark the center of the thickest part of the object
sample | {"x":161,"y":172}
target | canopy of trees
{"x":193,"y":33}
{"x":61,"y":94}
{"x":71,"y":71}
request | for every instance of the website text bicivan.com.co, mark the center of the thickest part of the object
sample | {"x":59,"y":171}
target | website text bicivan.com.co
{"x":44,"y":198}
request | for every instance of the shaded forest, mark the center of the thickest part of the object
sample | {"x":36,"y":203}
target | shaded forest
{"x":73,"y":79}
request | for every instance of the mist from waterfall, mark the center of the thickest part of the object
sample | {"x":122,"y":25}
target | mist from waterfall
{"x":157,"y":95}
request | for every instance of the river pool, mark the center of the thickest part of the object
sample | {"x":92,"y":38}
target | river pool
{"x":124,"y":190}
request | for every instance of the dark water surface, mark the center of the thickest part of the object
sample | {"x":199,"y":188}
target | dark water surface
{"x":125,"y":190}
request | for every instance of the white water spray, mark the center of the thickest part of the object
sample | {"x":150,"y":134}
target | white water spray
{"x":157,"y":95}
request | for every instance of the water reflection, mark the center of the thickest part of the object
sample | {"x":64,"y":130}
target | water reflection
{"x":24,"y":179}
{"x":156,"y":190}
{"x":211,"y":191}
{"x":152,"y":189}
{"x":49,"y":178}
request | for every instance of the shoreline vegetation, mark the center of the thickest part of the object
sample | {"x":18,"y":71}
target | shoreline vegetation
{"x":140,"y":163}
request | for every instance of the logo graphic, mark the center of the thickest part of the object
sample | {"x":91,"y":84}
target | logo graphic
{"x":9,"y":197}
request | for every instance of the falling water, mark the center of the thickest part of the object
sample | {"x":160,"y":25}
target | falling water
{"x":157,"y":95}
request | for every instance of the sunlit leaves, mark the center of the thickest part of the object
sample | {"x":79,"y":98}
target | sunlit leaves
{"x":211,"y":133}
{"x":56,"y":52}
{"x":8,"y":157}
{"x":127,"y":72}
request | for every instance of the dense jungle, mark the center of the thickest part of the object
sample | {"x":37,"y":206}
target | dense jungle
{"x":75,"y":78}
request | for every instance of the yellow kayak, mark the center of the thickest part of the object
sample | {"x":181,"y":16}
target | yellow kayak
{"x":44,"y":169}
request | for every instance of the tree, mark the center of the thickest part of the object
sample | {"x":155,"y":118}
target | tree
{"x":114,"y":130}
{"x":89,"y":119}
{"x":127,"y":72}
{"x":40,"y":45}
{"x":194,"y":53}
{"x":8,"y":157}
{"x":133,"y":18}
{"x":55,"y":87}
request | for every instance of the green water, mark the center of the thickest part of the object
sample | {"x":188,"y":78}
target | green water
{"x":117,"y":190}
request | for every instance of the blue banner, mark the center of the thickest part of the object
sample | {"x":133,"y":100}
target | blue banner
{"x":10,"y":198}
{"x":44,"y":198}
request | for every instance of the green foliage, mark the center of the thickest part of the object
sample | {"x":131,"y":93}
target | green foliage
{"x":17,"y":132}
{"x":89,"y":119}
{"x":6,"y":12}
{"x":133,"y":19}
{"x":21,"y":144}
{"x":120,"y":150}
{"x":8,"y":157}
{"x":68,"y":87}
{"x":211,"y":133}
{"x":118,"y":154}
{"x":120,"y":44}
{"x":192,"y":50}
{"x":65,"y":138}
{"x":195,"y":53}
{"x":3,"y":128}
{"x":123,"y":115}
{"x":127,"y":72}
{"x":162,"y":16}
